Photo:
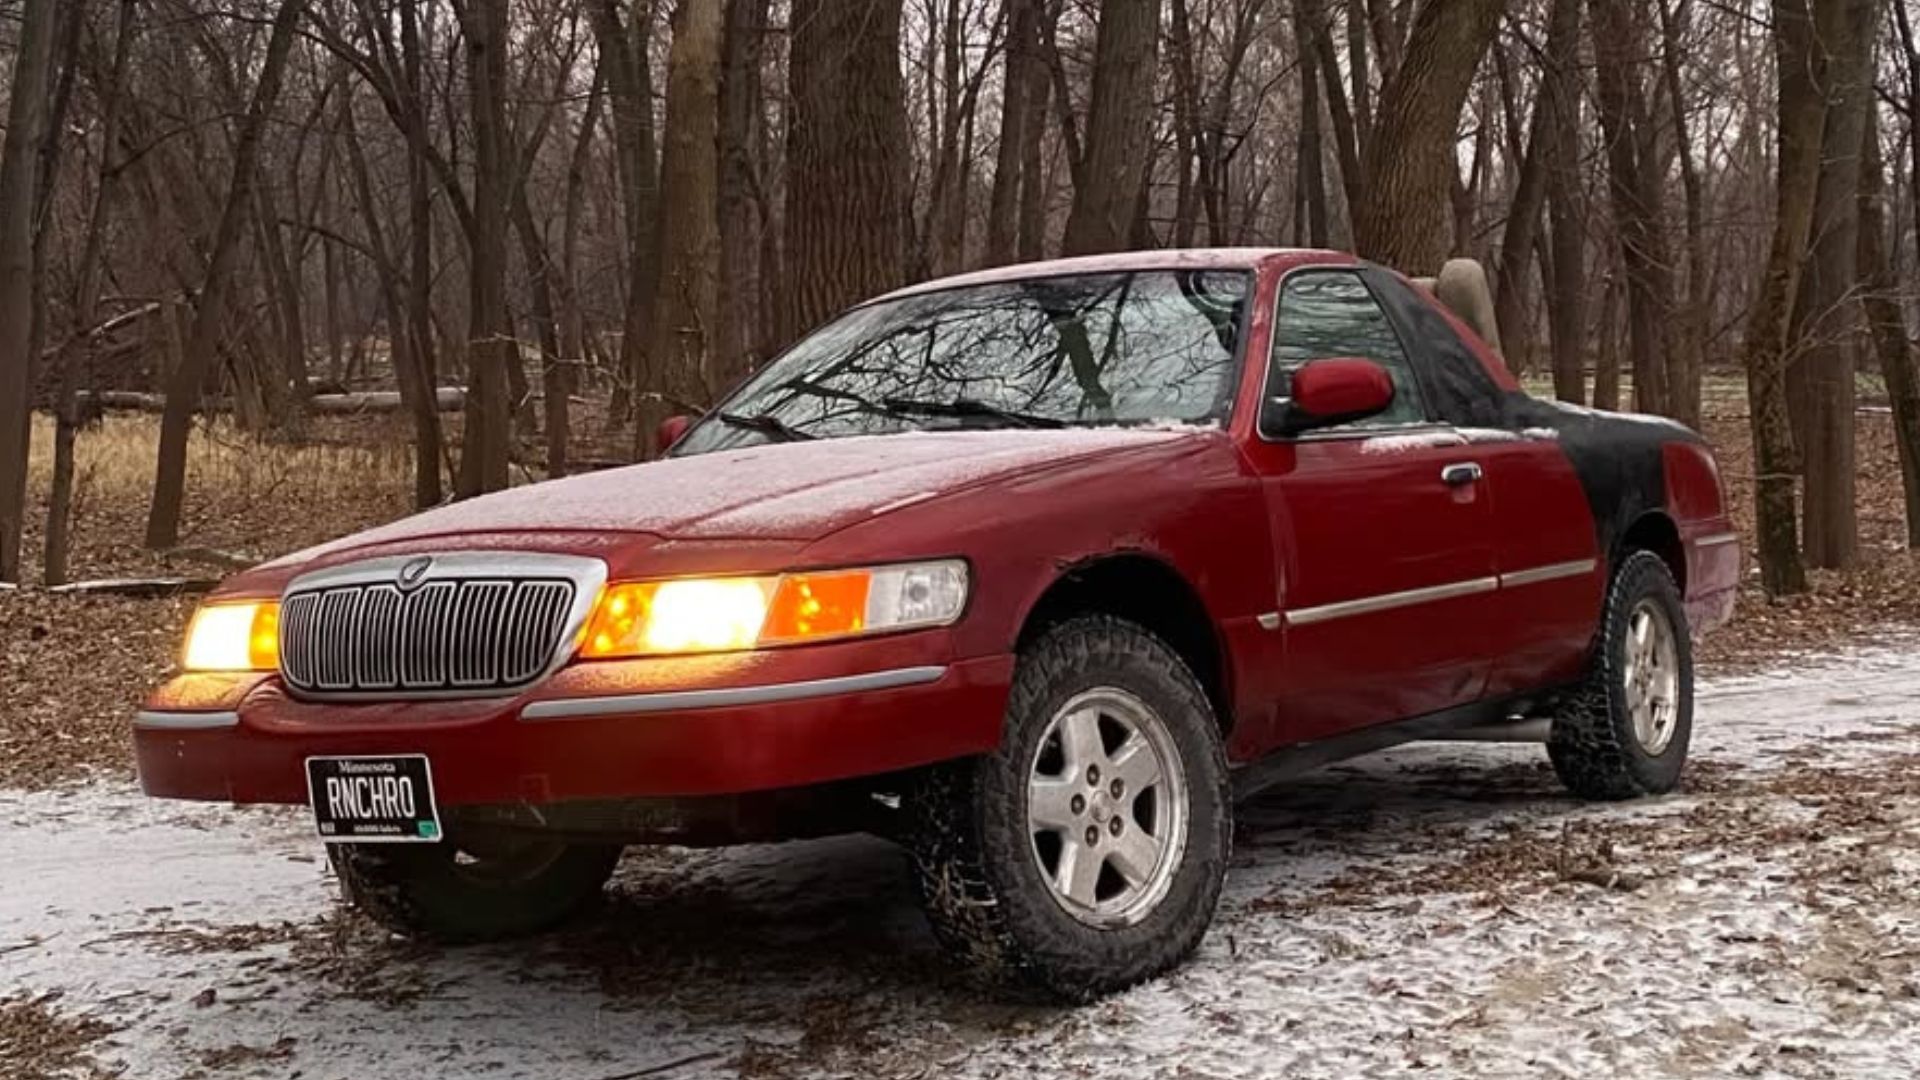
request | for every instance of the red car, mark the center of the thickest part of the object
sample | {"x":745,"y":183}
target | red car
{"x":1034,"y":570}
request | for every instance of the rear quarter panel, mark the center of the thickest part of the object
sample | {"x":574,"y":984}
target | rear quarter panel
{"x":1697,"y":502}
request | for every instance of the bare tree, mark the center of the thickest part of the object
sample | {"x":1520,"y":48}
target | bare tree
{"x":1402,"y":216}
{"x":21,"y":165}
{"x":1822,"y":331}
{"x":1803,"y":110}
{"x":73,"y":358}
{"x":183,"y":389}
{"x":1887,"y":325}
{"x":847,"y":158}
{"x":686,"y":307}
{"x":1113,"y":166}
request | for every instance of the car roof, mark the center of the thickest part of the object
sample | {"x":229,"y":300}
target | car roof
{"x":1218,"y":258}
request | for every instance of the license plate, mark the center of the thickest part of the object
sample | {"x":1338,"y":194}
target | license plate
{"x":373,"y":799}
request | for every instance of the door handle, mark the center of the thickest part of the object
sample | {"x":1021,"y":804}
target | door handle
{"x":1461,"y":474}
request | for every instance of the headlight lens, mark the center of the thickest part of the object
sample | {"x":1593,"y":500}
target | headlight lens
{"x":233,"y":637}
{"x":655,"y":618}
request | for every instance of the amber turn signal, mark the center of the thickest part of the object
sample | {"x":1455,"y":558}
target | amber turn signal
{"x":693,"y":615}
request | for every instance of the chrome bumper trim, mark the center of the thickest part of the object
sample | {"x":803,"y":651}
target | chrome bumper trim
{"x":185,"y":721}
{"x":1717,"y":539}
{"x":768,"y":694}
{"x":1552,"y":572}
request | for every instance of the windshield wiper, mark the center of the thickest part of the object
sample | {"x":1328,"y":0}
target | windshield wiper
{"x":765,"y":424}
{"x":970,"y":407}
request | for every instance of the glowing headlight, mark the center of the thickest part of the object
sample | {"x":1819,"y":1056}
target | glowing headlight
{"x":653,"y":618}
{"x":233,"y":637}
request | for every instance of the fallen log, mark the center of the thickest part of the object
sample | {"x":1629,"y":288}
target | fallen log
{"x":144,"y":588}
{"x":446,"y":399}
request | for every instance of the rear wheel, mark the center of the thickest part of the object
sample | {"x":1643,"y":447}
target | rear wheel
{"x":1626,"y":732}
{"x":1087,"y":854}
{"x":481,"y":888}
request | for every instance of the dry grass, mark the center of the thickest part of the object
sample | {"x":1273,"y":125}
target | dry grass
{"x":256,"y":497}
{"x":73,"y":669}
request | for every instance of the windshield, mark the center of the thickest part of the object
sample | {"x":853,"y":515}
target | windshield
{"x":1136,"y":347}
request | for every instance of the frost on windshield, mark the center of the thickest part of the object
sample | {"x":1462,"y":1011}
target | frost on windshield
{"x":1114,"y":348}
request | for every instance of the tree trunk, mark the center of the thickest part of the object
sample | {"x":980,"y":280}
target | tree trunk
{"x":183,"y":389}
{"x":626,"y":49}
{"x":429,"y":444}
{"x":1881,"y":300}
{"x":1823,"y":329}
{"x":1402,"y":219}
{"x":1118,"y":132}
{"x":1017,"y":111}
{"x":686,"y":307}
{"x":1693,"y":325}
{"x":416,"y":384}
{"x":1634,"y":195}
{"x":1559,"y":98}
{"x":1310,"y":220}
{"x":561,"y":379}
{"x":1033,"y":173}
{"x":1803,"y":110}
{"x":20,"y":166}
{"x":740,"y":220}
{"x":1530,"y":193}
{"x":1606,"y":363}
{"x":75,"y":358}
{"x":848,"y":159}
{"x":488,"y":433}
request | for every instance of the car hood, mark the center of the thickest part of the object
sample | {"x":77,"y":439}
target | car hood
{"x":789,"y":491}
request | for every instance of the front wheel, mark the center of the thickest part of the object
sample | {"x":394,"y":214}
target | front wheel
{"x":474,"y":889}
{"x":1088,"y":853}
{"x":1625,"y":733}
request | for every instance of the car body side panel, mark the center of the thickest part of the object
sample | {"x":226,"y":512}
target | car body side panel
{"x":1189,"y":505}
{"x":1362,"y":519}
{"x":1547,"y":607}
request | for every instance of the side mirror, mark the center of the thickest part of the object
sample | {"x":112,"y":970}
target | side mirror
{"x":1336,"y":391}
{"x":669,"y":432}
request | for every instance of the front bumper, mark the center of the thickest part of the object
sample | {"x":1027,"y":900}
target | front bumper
{"x":639,"y":729}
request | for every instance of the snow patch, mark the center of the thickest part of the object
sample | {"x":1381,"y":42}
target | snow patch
{"x":1404,"y":444}
{"x":1351,"y":940}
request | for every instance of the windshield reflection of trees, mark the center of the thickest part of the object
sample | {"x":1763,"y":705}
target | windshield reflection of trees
{"x":1107,"y":348}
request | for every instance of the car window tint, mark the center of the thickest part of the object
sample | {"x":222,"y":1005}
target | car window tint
{"x":1331,"y":314}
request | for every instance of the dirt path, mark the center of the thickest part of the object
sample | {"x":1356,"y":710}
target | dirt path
{"x":1433,"y":911}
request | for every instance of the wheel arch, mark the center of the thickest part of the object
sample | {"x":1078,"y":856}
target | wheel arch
{"x":1144,"y":589}
{"x":1656,"y":532}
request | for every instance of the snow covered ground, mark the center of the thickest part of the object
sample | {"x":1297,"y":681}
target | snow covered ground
{"x":1436,"y":910}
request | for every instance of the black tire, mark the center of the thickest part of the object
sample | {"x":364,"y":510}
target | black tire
{"x":446,"y":893}
{"x":977,"y":859}
{"x":1593,"y":745}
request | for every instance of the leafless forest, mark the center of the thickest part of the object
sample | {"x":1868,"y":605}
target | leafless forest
{"x":535,"y":228}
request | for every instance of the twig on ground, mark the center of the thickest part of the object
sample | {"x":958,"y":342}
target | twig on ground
{"x":665,"y":1067}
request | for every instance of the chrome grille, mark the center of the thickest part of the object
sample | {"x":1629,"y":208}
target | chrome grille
{"x":464,"y":634}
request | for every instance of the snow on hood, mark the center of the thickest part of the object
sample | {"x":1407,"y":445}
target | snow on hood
{"x":787,"y":491}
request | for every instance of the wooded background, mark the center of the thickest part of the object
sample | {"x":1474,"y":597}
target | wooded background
{"x":607,"y":211}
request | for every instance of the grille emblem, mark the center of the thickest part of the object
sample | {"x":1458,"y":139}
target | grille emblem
{"x":414,"y":572}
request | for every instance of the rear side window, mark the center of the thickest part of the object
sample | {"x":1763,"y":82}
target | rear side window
{"x":1328,"y":314}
